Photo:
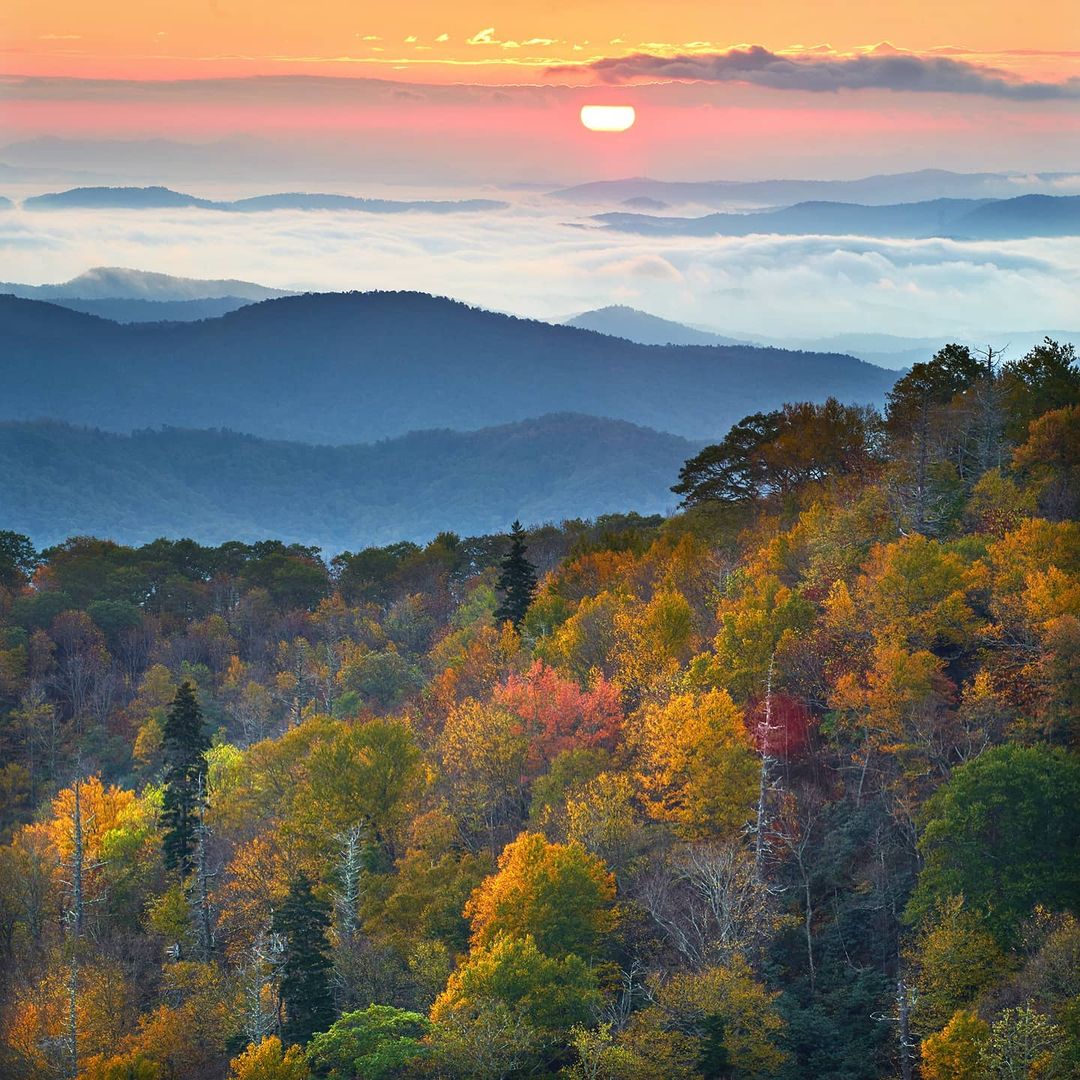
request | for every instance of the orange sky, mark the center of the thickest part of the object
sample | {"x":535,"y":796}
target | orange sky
{"x":504,"y":41}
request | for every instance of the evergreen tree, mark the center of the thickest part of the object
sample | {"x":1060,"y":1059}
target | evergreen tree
{"x":185,"y":745}
{"x":517,"y":580}
{"x":302,"y":921}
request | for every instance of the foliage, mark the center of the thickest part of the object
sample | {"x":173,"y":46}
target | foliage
{"x":557,"y":894}
{"x":375,"y":1043}
{"x":302,"y":922}
{"x":185,"y":745}
{"x":517,"y":581}
{"x":268,"y":1060}
{"x":748,"y":790}
{"x":1001,"y":833}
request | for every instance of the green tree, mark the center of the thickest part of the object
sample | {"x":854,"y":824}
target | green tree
{"x":303,"y":921}
{"x":1046,"y":378}
{"x":185,"y":745}
{"x":17,"y":559}
{"x":1003,"y":833}
{"x":550,"y":995}
{"x":517,"y":580}
{"x":375,"y":1043}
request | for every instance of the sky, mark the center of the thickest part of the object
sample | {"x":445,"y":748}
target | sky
{"x":237,"y":97}
{"x":478,"y":90}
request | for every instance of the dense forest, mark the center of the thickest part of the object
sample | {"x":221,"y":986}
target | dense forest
{"x":783,"y":786}
{"x":345,"y":368}
{"x":222,"y":485}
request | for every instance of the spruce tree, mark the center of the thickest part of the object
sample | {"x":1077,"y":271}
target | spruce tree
{"x":517,"y":580}
{"x":302,"y":922}
{"x":185,"y":778}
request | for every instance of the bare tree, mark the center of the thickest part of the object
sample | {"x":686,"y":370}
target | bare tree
{"x":707,"y":900}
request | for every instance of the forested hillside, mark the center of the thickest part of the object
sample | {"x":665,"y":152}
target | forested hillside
{"x":353,"y":367}
{"x":784,"y":786}
{"x":220,"y":485}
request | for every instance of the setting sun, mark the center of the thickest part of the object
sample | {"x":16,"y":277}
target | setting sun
{"x":608,"y":117}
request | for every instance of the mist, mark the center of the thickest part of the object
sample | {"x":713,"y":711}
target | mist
{"x":547,"y":263}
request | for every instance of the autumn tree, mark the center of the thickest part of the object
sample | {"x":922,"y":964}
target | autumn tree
{"x":556,"y":714}
{"x":558,"y":894}
{"x":770,"y":455}
{"x":549,"y":995}
{"x":696,"y":765}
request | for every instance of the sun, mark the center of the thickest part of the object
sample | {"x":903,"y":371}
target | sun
{"x":608,"y":117}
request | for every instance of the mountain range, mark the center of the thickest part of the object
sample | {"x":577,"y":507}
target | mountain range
{"x":118,"y":282}
{"x":925,"y":184}
{"x":618,"y":320}
{"x":59,"y":480}
{"x":967,"y":219}
{"x":883,"y":350}
{"x":163,"y":198}
{"x":353,"y":367}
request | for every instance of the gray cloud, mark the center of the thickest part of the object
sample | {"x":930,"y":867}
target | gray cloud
{"x":817,"y":73}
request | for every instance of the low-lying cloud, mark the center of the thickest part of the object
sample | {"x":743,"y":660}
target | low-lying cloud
{"x":531,"y":260}
{"x":826,"y":73}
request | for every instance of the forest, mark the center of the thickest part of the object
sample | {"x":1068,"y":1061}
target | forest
{"x":782,"y":786}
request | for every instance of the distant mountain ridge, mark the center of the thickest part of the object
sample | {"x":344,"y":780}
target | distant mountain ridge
{"x":918,"y":186}
{"x":617,"y":320}
{"x":120,"y":283}
{"x":968,"y":219}
{"x":351,"y":367}
{"x":157,"y":198}
{"x":57,"y":480}
{"x":883,"y":350}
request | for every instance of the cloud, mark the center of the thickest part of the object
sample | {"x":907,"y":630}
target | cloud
{"x":528,"y":261}
{"x":882,"y":68}
{"x":483,"y":37}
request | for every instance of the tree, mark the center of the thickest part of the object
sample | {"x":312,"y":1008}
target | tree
{"x":17,"y":559}
{"x":1003,"y":832}
{"x":925,"y":428}
{"x":375,"y":1043}
{"x":550,"y":995}
{"x":266,"y":1060}
{"x":483,"y":753}
{"x":303,"y":921}
{"x":517,"y":580}
{"x":957,"y":961}
{"x":696,"y":766}
{"x":1046,"y":378}
{"x":185,"y":745}
{"x":557,"y":715}
{"x":1020,"y":1045}
{"x":955,"y":1052}
{"x":729,"y":1020}
{"x":558,"y":893}
{"x":1051,"y":461}
{"x":773,"y":454}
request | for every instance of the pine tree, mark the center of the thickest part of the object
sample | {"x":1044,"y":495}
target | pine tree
{"x":185,"y":779}
{"x":517,"y":580}
{"x":302,"y":922}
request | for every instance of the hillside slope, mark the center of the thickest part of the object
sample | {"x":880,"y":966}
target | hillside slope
{"x":352,"y":367}
{"x":57,"y":480}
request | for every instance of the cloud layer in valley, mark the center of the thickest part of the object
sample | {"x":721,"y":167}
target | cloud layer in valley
{"x":534,"y":261}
